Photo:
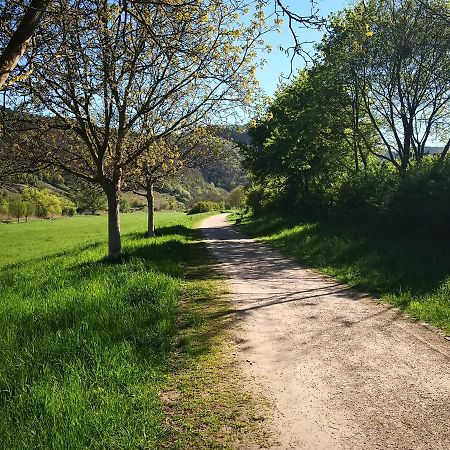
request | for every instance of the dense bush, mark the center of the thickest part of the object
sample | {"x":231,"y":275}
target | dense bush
{"x":203,"y":207}
{"x":124,"y":205}
{"x":420,"y":199}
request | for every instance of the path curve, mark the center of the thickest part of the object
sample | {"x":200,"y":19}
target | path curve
{"x":343,"y":371}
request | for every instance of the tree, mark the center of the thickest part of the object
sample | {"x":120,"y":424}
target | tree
{"x":299,"y":145}
{"x":399,"y":54}
{"x":162,"y":160}
{"x":29,"y":209}
{"x":125,"y":75}
{"x":16,"y":207}
{"x":89,"y":197}
{"x":236,"y":198}
{"x":4,"y":206}
{"x":17,"y":41}
{"x":44,"y":203}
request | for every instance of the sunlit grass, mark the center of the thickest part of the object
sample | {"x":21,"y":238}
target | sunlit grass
{"x":84,"y":344}
{"x":125,"y":356}
{"x":37,"y":238}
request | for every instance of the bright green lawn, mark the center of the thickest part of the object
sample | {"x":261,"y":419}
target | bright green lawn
{"x":91,"y":354}
{"x":411,"y":271}
{"x":25,"y":241}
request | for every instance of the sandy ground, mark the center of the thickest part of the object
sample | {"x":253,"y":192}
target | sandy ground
{"x":343,"y":371}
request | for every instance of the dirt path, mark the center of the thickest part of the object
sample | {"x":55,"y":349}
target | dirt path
{"x":343,"y":371}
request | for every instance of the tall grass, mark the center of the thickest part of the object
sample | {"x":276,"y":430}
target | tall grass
{"x":84,"y":344}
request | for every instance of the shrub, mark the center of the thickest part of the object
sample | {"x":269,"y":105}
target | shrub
{"x":4,"y":207}
{"x":69,"y":211}
{"x":203,"y":207}
{"x":16,"y":207}
{"x":236,"y":198}
{"x":124,"y":205}
{"x":45,"y":203}
{"x":365,"y":194}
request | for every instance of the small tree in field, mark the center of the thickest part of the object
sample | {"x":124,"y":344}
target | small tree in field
{"x":88,"y":196}
{"x":124,"y":75}
{"x":164,"y":159}
{"x":29,"y":209}
{"x":4,"y":206}
{"x":16,"y":208}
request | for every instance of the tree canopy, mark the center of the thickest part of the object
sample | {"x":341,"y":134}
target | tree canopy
{"x":355,"y":128}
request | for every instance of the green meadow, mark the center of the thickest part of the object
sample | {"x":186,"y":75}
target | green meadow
{"x":88,"y":348}
{"x":41,"y":238}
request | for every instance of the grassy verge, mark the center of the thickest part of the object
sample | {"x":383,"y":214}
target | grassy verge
{"x":92,"y":351}
{"x":410,"y":271}
{"x":205,"y":401}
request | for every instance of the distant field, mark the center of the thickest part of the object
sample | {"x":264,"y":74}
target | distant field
{"x":39,"y":238}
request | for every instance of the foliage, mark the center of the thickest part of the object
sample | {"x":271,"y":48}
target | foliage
{"x":347,"y":137}
{"x":223,"y":166}
{"x":300,"y":143}
{"x":163,"y":159}
{"x":16,"y":207}
{"x":204,"y":207}
{"x":124,"y":205}
{"x":394,"y":58}
{"x":42,"y":203}
{"x":236,"y":198}
{"x":189,"y":187}
{"x":4,"y":206}
{"x":89,"y":197}
{"x":36,"y":202}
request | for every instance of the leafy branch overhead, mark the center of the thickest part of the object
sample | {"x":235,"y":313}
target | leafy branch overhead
{"x":22,"y":19}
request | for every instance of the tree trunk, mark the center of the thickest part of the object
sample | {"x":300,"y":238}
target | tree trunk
{"x":18,"y":43}
{"x":114,"y":240}
{"x":151,"y":210}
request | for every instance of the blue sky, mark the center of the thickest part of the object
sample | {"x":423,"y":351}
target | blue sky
{"x":278,"y":63}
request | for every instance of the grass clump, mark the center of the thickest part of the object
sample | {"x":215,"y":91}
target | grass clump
{"x":410,"y":270}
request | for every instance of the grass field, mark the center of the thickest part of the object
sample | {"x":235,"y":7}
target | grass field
{"x":411,"y":271}
{"x":90,"y":352}
{"x":39,"y":238}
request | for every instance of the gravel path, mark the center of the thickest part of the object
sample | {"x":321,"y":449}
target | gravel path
{"x":343,"y":371}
